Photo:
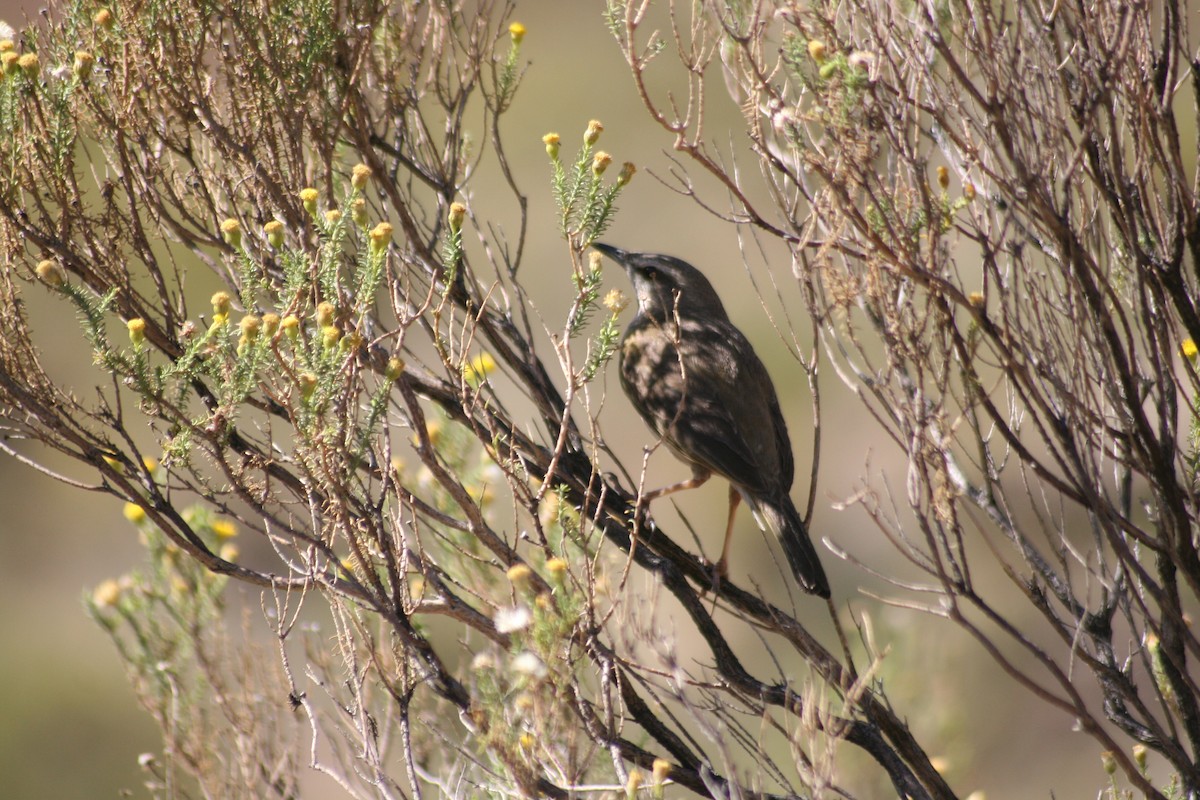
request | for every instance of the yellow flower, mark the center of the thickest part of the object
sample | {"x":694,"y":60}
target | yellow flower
{"x":270,"y":322}
{"x":231,"y":230}
{"x":517,"y":32}
{"x":600,"y":163}
{"x":6,"y":45}
{"x":29,"y":64}
{"x":593,"y":132}
{"x":395,"y":368}
{"x":290,"y":326}
{"x":969,"y":191}
{"x":359,"y":176}
{"x":134,"y":513}
{"x":1189,"y":350}
{"x":308,"y":384}
{"x":250,"y":326}
{"x":552,"y":140}
{"x":50,"y":273}
{"x":380,"y":236}
{"x":107,"y":594}
{"x":478,"y":368}
{"x":330,"y":336}
{"x":526,"y":741}
{"x":557,"y":568}
{"x":943,"y":177}
{"x":518,"y":575}
{"x":83,"y":64}
{"x":615,"y":301}
{"x":223,"y":529}
{"x":817,"y":50}
{"x":661,"y":769}
{"x":9,"y":61}
{"x":333,"y":216}
{"x":633,"y":783}
{"x":274,"y":232}
{"x":220,"y":302}
{"x":137,"y":331}
{"x":309,"y":198}
{"x":977,"y":299}
{"x":454,"y":218}
{"x":103,"y":18}
{"x":325,"y":312}
{"x":150,"y":464}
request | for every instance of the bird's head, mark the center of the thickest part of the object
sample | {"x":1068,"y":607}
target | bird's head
{"x":665,"y":285}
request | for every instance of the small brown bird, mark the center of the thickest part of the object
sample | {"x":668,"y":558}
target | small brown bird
{"x":699,"y":385}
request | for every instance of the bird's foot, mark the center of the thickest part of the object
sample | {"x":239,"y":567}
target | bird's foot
{"x":718,"y":572}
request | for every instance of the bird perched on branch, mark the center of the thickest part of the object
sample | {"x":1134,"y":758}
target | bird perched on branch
{"x":698,"y":383}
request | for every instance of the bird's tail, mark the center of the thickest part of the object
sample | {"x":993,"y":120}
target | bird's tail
{"x":783,"y":518}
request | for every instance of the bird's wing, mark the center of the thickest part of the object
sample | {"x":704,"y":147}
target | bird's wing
{"x":712,"y":402}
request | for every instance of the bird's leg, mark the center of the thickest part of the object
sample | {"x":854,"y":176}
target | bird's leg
{"x":735,"y":498}
{"x":691,"y":483}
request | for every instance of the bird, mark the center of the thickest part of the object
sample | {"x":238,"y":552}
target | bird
{"x":695,"y":379}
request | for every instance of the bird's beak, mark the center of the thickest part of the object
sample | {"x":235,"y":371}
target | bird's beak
{"x":615,"y":253}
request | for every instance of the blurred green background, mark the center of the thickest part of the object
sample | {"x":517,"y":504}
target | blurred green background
{"x":69,"y":725}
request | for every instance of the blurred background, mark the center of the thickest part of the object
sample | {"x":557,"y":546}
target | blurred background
{"x":65,"y":701}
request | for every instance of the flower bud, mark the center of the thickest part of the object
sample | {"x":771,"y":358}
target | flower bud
{"x":557,"y":569}
{"x":943,"y":177}
{"x":518,"y":576}
{"x":50,"y":273}
{"x":250,"y":325}
{"x":1139,"y":756}
{"x":309,"y":198}
{"x":394,"y":369}
{"x":817,"y":50}
{"x":325,"y":313}
{"x":274,"y":232}
{"x":626,"y":175}
{"x":220,"y":303}
{"x":600,"y":163}
{"x":633,"y":783}
{"x":358,"y":212}
{"x":30,"y":65}
{"x":359,"y":176}
{"x":594,"y":129}
{"x":308,"y":384}
{"x":290,"y":325}
{"x":231,"y":231}
{"x":84,"y":61}
{"x":551,"y":140}
{"x":137,"y":331}
{"x":517,"y":32}
{"x":380,"y":236}
{"x":455,"y":216}
{"x":134,"y":513}
{"x":107,"y":594}
{"x":330,"y":336}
